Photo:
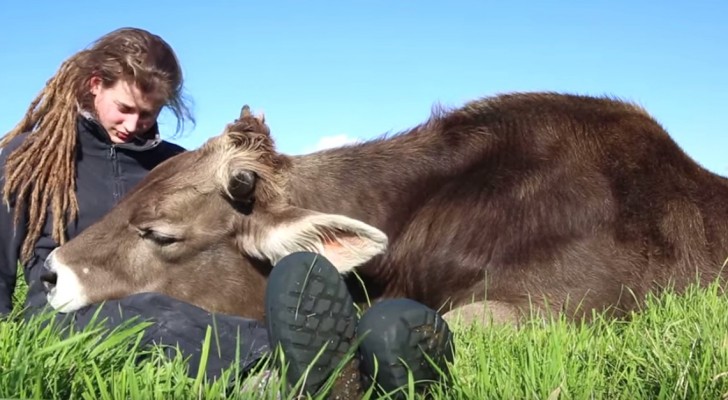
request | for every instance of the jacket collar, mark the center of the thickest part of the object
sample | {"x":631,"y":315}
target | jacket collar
{"x":89,"y":128}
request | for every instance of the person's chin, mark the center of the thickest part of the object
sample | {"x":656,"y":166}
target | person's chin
{"x":119,"y":139}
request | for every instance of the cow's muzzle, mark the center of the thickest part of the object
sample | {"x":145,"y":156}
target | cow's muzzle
{"x":63,"y":288}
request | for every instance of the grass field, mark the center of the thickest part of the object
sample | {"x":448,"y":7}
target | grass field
{"x":675,"y":349}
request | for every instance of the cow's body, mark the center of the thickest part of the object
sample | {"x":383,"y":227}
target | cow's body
{"x":565,"y":196}
{"x":572,"y":201}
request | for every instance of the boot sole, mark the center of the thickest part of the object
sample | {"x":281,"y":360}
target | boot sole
{"x":401,"y":334}
{"x":311,"y":315}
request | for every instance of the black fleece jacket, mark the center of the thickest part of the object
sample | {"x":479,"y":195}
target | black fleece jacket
{"x":104,"y":173}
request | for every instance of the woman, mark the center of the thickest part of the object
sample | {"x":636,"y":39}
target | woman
{"x":92,"y":129}
{"x":89,"y":137}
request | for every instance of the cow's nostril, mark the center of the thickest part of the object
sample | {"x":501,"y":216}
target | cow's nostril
{"x":49,"y":280}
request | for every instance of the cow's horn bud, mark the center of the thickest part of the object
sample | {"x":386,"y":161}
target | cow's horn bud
{"x":245,"y":112}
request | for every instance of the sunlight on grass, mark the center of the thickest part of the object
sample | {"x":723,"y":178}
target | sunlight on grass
{"x":676,"y":348}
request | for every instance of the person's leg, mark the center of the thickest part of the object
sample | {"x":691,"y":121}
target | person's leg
{"x":309,"y":313}
{"x":184,"y":326}
{"x":176,"y":325}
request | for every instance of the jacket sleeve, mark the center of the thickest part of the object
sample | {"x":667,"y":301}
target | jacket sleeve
{"x":10,"y":240}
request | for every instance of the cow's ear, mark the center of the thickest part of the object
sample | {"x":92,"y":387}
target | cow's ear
{"x":241,"y":185}
{"x":344,"y":241}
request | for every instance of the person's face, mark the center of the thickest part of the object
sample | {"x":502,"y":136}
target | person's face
{"x":123,"y":110}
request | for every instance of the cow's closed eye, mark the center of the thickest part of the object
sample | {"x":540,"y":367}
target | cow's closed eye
{"x":157,"y":238}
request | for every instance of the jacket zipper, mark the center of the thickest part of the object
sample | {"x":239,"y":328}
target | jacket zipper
{"x":116,"y":184}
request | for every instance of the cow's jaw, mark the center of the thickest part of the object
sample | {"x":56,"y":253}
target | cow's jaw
{"x":68,"y":294}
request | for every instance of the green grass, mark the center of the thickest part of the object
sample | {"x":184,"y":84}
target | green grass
{"x":675,"y":349}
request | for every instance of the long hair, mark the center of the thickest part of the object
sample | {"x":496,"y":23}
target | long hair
{"x":41,"y":172}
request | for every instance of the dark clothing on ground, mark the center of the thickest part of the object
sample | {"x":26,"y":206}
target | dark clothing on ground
{"x":105,"y":172}
{"x":184,"y":325}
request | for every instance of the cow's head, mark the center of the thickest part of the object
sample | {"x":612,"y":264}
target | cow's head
{"x":205,"y":227}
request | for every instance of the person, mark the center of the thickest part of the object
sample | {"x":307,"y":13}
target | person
{"x":89,"y":137}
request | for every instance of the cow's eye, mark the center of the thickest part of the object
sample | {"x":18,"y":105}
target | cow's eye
{"x":156,"y":237}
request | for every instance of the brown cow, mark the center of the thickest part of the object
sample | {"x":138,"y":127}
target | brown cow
{"x":571,"y":203}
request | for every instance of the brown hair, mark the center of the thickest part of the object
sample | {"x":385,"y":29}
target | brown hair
{"x":41,"y":171}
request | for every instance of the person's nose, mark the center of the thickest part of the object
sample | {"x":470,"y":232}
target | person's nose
{"x":131,"y":123}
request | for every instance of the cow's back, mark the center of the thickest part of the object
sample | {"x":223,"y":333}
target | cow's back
{"x":532,"y":197}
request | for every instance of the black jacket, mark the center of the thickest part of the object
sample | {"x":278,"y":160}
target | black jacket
{"x":105,"y":172}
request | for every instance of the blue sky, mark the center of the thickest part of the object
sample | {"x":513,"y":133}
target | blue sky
{"x":327,"y":71}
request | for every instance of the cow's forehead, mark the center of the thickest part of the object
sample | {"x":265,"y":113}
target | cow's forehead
{"x":209,"y":170}
{"x":184,"y":170}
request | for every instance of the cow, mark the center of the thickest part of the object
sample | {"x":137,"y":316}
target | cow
{"x":557,"y":202}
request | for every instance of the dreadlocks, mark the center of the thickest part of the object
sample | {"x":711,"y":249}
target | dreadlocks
{"x":41,"y":172}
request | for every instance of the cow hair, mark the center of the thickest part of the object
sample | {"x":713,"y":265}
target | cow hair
{"x":246,"y":144}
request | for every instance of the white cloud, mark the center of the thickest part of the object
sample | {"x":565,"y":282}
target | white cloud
{"x":327,"y":142}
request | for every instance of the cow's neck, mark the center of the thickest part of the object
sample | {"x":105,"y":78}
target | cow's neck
{"x":379,"y":181}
